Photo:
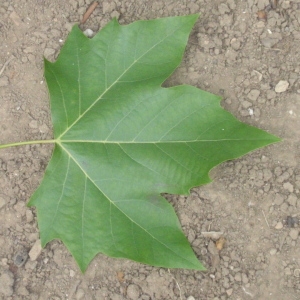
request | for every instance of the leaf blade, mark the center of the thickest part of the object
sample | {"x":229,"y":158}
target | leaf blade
{"x":122,"y":140}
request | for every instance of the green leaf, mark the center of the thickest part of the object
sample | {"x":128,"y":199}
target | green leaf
{"x":121,"y":140}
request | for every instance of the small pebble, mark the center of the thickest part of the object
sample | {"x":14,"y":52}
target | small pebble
{"x":291,"y":221}
{"x":297,"y":272}
{"x":235,"y":44}
{"x":223,"y":8}
{"x":43,"y":128}
{"x":281,"y":86}
{"x":108,"y":6}
{"x":246,"y":104}
{"x":36,"y":250}
{"x":238,"y":277}
{"x":279,"y":226}
{"x":23,"y":291}
{"x":268,"y":42}
{"x":190,"y":298}
{"x":48,"y":52}
{"x":133,"y":292}
{"x":29,"y":216}
{"x":271,"y":94}
{"x":273,"y":251}
{"x":278,"y":199}
{"x":214,"y":235}
{"x":288,"y":186}
{"x":294,"y":233}
{"x":245,"y":278}
{"x":89,"y":33}
{"x":20,"y":258}
{"x":287,"y":271}
{"x":30,"y":265}
{"x":253,"y":95}
{"x":286,"y":4}
{"x":292,"y":200}
{"x":16,"y":18}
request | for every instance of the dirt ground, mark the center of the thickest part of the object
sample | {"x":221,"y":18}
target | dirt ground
{"x":233,"y":51}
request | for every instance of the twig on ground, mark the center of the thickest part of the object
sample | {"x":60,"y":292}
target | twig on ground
{"x":178,"y":286}
{"x":89,"y":12}
{"x":265,"y":218}
{"x":247,"y":292}
{"x":5,"y":64}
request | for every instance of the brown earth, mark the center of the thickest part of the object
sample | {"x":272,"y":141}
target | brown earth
{"x":254,"y":200}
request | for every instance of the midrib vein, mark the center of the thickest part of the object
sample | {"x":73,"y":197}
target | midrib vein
{"x":114,"y":83}
{"x":95,"y":102}
{"x":155,"y":142}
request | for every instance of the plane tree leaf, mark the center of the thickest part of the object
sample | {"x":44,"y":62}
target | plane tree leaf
{"x":121,"y":140}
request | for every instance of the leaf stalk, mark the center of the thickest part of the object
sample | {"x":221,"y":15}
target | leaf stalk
{"x":27,"y":143}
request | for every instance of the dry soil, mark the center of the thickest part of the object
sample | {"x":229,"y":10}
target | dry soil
{"x":239,"y":49}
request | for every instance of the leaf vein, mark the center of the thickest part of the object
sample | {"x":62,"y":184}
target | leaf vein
{"x":212,"y":126}
{"x":196,"y":152}
{"x":121,"y":120}
{"x":61,"y":194}
{"x":79,"y":81}
{"x":139,"y":163}
{"x":151,"y":121}
{"x":82,"y":217}
{"x":117,"y":80}
{"x":180,"y":121}
{"x":62,"y":95}
{"x":192,"y":172}
{"x":112,"y":203}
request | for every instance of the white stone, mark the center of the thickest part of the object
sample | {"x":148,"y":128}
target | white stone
{"x":281,"y":86}
{"x":36,"y":250}
{"x":88,"y":32}
{"x":214,"y":235}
